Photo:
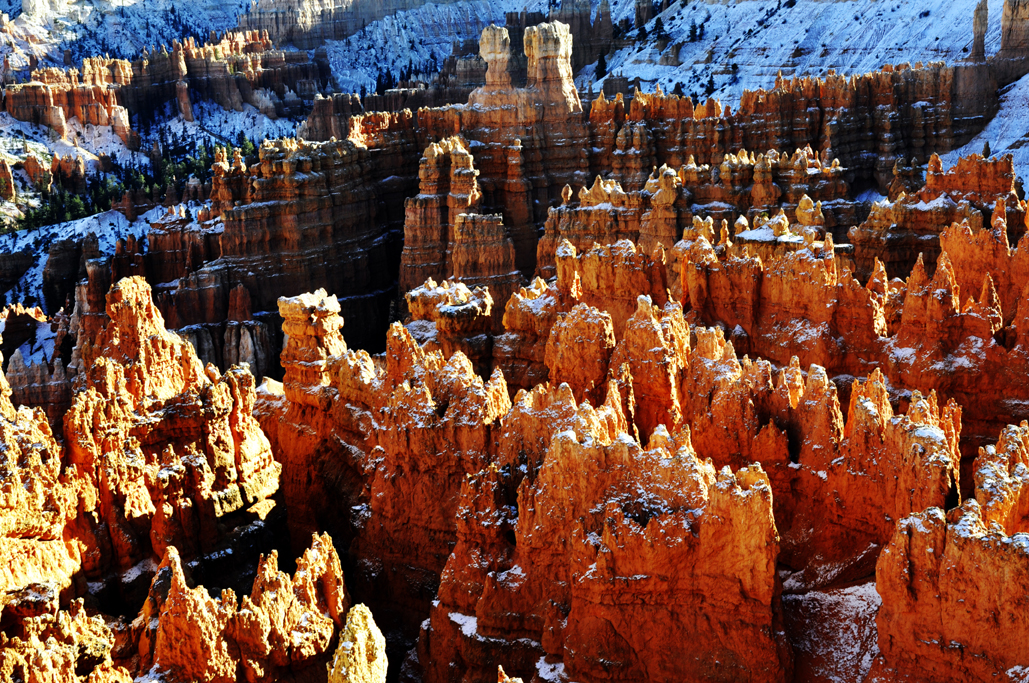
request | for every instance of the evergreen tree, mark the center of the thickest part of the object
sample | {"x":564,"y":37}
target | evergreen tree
{"x":987,"y":152}
{"x":601,"y":66}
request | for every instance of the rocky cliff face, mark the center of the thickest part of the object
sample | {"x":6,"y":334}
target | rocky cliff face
{"x":194,"y":475}
{"x":839,"y":479}
{"x":567,"y":601}
{"x":916,"y":332}
{"x":703,"y":434}
{"x":239,"y":68}
{"x":306,"y":214}
{"x":898,"y":231}
{"x":866,"y":122}
{"x":939,"y":579}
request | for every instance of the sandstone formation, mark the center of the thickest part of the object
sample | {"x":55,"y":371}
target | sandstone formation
{"x":951,"y":606}
{"x":375,"y":434}
{"x":285,"y":625}
{"x":199,"y":467}
{"x":276,"y":237}
{"x":898,"y":231}
{"x":239,"y":68}
{"x":567,"y":602}
{"x":451,"y":317}
{"x":923,"y":334}
{"x":680,"y":453}
{"x":361,"y":655}
{"x":669,"y":201}
{"x":67,"y":646}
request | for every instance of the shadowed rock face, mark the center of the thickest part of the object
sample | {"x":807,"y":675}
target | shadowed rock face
{"x":239,"y":68}
{"x":682,"y":458}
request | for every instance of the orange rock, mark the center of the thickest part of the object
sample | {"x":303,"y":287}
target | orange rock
{"x":566,"y":601}
{"x":451,"y":318}
{"x":240,"y":67}
{"x":170,"y":448}
{"x":67,"y":646}
{"x":579,"y":350}
{"x":447,"y":189}
{"x":951,"y":605}
{"x":975,"y":252}
{"x":282,"y":628}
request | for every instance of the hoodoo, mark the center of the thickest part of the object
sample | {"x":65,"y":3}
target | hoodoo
{"x":643,"y":342}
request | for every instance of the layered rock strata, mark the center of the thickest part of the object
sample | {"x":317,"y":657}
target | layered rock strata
{"x":743,"y":187}
{"x":567,"y":602}
{"x":951,"y":609}
{"x":170,"y":450}
{"x":307,"y":215}
{"x":375,"y":434}
{"x":239,"y":68}
{"x":898,"y":231}
{"x":925,"y":333}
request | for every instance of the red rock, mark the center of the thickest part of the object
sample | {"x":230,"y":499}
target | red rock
{"x":950,"y":599}
{"x":450,"y":317}
{"x":67,"y":646}
{"x":897,"y":233}
{"x":144,"y":392}
{"x":562,"y":600}
{"x":240,"y":67}
{"x":285,"y":625}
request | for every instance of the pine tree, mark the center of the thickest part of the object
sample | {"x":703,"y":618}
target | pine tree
{"x":601,"y":66}
{"x":987,"y":152}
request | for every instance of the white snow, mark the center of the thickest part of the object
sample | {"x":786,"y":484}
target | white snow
{"x":414,"y":37}
{"x":839,"y":640}
{"x":809,"y":38}
{"x":219,"y":125}
{"x":109,"y":227}
{"x":121,"y":28}
{"x":551,"y":673}
{"x":468,"y":624}
{"x":1007,"y":133}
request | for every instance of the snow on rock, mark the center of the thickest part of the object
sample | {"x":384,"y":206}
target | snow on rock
{"x":121,"y":29}
{"x":108,"y":227}
{"x":833,"y":632}
{"x":415,"y":38}
{"x":1007,"y":133}
{"x":811,"y":37}
{"x":219,"y":125}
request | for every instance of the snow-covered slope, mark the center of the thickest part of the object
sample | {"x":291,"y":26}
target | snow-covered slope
{"x":121,"y":28}
{"x":109,"y":227}
{"x":215,"y":125}
{"x":1007,"y":133}
{"x":762,"y":37}
{"x":414,"y":38}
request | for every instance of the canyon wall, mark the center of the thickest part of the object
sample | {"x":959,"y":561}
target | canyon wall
{"x":236,"y":69}
{"x":898,"y":231}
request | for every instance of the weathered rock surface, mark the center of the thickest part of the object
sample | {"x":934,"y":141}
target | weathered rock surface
{"x":285,"y":626}
{"x":568,"y":603}
{"x":951,"y":609}
{"x":361,"y":655}
{"x":923,"y":334}
{"x":898,"y":231}
{"x":239,"y":68}
{"x":66,"y":646}
{"x":170,"y":448}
